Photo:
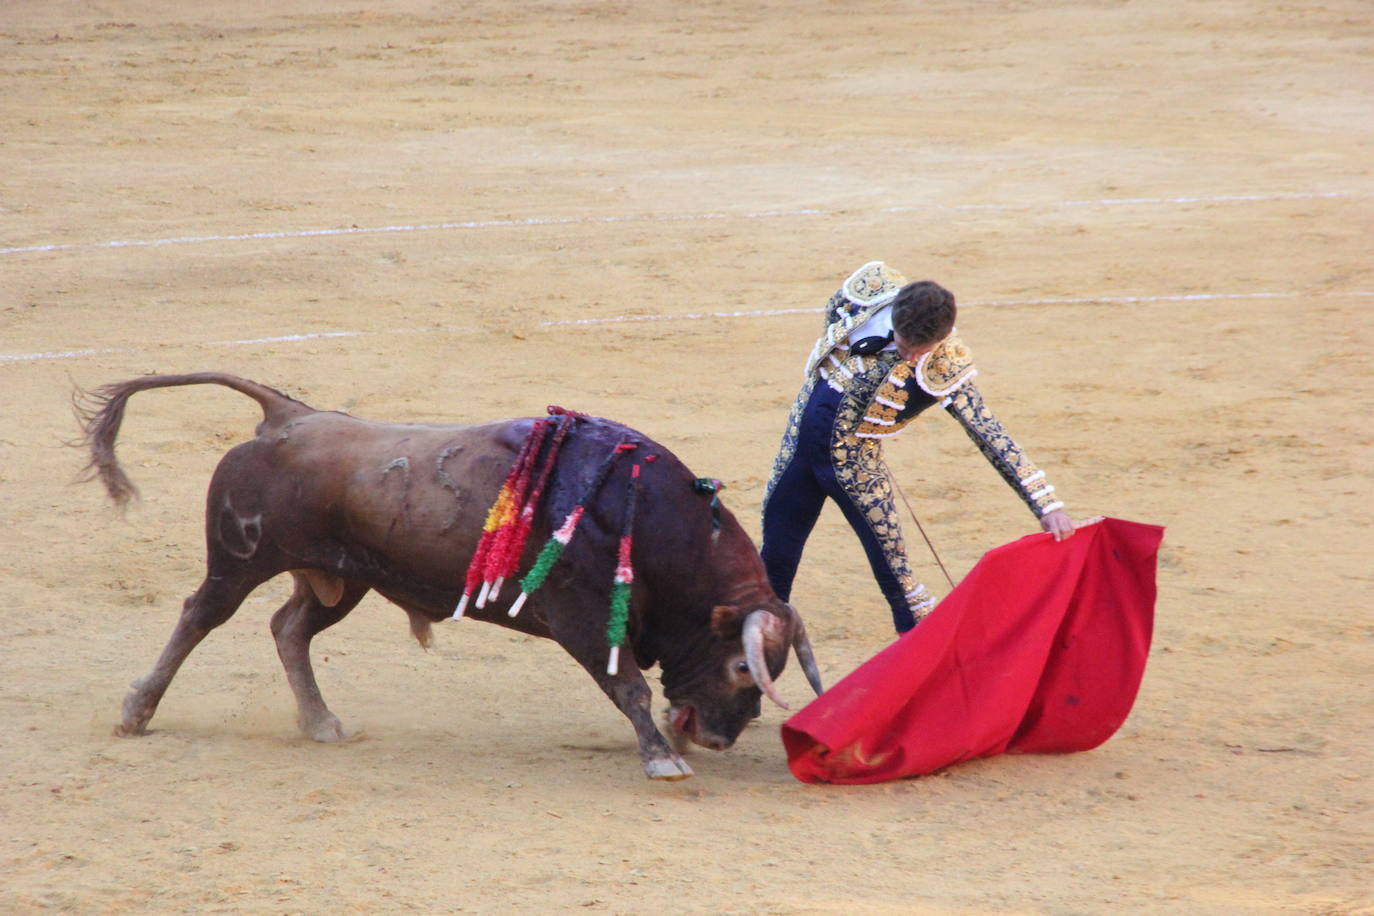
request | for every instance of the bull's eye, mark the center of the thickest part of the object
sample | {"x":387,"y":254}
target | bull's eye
{"x":738,"y":673}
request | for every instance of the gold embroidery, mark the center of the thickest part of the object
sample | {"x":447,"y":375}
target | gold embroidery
{"x":880,"y":413}
{"x":872,"y":284}
{"x":945,"y":368}
{"x":859,"y":468}
{"x":881,"y":420}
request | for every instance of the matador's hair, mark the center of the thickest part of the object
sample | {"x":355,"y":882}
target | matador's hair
{"x":923,"y":313}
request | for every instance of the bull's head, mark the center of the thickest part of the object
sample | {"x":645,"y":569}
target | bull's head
{"x":722,"y":694}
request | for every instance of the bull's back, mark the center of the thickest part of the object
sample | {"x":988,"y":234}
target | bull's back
{"x":413,"y":497}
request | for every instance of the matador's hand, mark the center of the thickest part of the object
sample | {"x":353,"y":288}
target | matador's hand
{"x":1058,"y":523}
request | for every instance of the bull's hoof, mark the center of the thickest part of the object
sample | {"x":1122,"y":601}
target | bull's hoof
{"x":667,"y":768}
{"x":328,"y":730}
{"x":134,"y":714}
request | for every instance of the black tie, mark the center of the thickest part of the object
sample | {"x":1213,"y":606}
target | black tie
{"x":867,"y":346}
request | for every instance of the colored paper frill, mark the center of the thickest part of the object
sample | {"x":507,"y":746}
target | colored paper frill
{"x":500,"y":517}
{"x":554,"y":546}
{"x":624,"y":578}
{"x":504,"y":558}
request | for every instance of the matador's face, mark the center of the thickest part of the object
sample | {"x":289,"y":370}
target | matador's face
{"x":910,"y":352}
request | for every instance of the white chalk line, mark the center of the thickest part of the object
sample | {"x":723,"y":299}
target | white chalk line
{"x":1144,"y":201}
{"x":632,"y":319}
{"x":423,"y":227}
{"x":664,"y":218}
{"x":691,"y":316}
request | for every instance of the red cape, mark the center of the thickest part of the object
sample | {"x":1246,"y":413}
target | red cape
{"x":1040,"y":649}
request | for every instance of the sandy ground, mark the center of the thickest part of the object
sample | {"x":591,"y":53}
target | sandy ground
{"x":1157,"y":215}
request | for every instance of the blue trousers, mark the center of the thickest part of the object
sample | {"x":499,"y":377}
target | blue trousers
{"x":795,"y":503}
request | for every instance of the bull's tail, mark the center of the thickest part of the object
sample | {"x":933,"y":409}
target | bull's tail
{"x":100,"y":413}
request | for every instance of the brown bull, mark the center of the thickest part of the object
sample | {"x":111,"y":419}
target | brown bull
{"x":347,"y":505}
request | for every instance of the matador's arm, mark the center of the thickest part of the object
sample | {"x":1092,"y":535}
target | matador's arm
{"x":966,"y":405}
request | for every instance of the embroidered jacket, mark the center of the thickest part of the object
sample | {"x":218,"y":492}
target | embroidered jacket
{"x":888,"y":393}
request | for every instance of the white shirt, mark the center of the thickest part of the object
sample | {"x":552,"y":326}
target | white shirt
{"x":879,"y":325}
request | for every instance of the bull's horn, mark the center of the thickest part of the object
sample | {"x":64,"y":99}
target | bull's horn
{"x":802,"y":645}
{"x":756,"y":625}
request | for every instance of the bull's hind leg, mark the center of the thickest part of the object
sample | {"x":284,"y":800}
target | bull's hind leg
{"x":294,"y":626}
{"x":211,"y":605}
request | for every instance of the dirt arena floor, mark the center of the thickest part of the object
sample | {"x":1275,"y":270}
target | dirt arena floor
{"x":1156,"y":214}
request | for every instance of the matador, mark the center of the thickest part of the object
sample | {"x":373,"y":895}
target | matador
{"x":888,"y":352}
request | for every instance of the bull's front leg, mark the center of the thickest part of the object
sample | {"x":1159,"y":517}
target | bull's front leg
{"x":633,"y":697}
{"x":626,"y":688}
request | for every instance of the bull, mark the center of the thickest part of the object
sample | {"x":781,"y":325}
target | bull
{"x":348,"y":506}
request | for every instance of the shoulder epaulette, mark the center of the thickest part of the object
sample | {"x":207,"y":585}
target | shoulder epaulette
{"x":873,"y":284}
{"x":945,"y":368}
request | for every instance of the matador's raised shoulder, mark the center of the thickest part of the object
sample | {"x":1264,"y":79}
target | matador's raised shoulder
{"x":865,"y":292}
{"x":944,"y":369}
{"x":873,"y":284}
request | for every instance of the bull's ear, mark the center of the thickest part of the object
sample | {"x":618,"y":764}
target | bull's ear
{"x":725,"y":621}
